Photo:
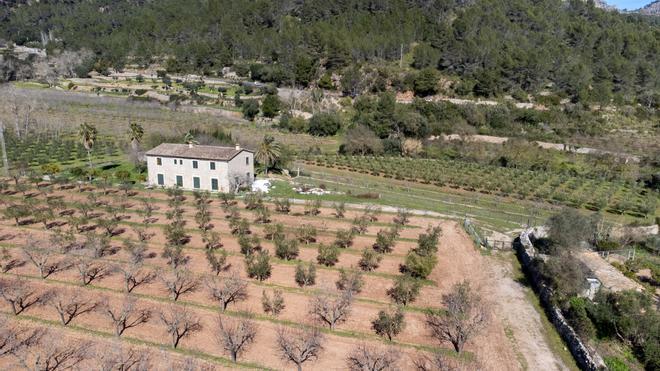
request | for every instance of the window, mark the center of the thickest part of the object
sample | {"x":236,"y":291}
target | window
{"x":161,"y":179}
{"x":214,"y":184}
{"x":247,"y":175}
{"x":180,"y":162}
{"x":212,"y":164}
{"x":159,"y":161}
{"x":195,"y":164}
{"x":175,"y":161}
{"x":196,"y":182}
{"x":247,"y":160}
{"x":179,"y":181}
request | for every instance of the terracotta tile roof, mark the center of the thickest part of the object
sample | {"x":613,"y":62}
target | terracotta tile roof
{"x":196,"y":151}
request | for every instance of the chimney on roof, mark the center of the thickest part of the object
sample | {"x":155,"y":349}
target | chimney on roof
{"x":238,"y":147}
{"x":190,"y":145}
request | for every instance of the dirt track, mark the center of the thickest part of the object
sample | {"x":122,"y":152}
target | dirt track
{"x":511,"y":309}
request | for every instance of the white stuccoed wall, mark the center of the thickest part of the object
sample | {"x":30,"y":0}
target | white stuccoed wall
{"x":224,"y":171}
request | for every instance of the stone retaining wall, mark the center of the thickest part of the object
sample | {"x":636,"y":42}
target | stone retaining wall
{"x":585,"y":359}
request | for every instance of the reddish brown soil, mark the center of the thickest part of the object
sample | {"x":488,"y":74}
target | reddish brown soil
{"x":458,"y":260}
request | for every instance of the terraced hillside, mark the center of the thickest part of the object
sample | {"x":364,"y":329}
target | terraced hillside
{"x":95,"y":244}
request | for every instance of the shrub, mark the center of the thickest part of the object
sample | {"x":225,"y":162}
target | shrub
{"x":258,"y":265}
{"x":286,"y":249}
{"x":385,"y":240}
{"x":272,"y":305}
{"x":282,"y":205}
{"x":253,"y":201}
{"x":305,"y":274}
{"x":343,"y":238}
{"x":324,"y":124}
{"x":313,"y":207}
{"x":250,"y":109}
{"x":328,"y":255}
{"x":249,"y":245}
{"x":350,"y":280}
{"x":306,"y":234}
{"x":418,"y":266}
{"x":427,"y":243}
{"x":274,"y":232}
{"x":576,"y":314}
{"x":389,"y":323}
{"x":360,"y":224}
{"x":370,"y":260}
{"x":239,"y":226}
{"x":405,"y":290}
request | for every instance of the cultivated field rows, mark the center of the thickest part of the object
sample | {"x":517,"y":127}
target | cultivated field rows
{"x":339,"y":342}
{"x":358,"y":324}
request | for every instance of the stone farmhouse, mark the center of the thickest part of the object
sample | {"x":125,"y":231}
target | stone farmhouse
{"x":197,"y":167}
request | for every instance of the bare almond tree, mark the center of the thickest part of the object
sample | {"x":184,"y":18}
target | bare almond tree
{"x":439,"y":362}
{"x":20,"y":295}
{"x":90,"y":269}
{"x":14,"y":337}
{"x":71,"y":303}
{"x":44,"y":260}
{"x":227,"y":290}
{"x":331,"y":310}
{"x":8,"y":262}
{"x":54,"y":353}
{"x":125,"y":315}
{"x":118,"y":357}
{"x":235,"y":335}
{"x":465,"y":314}
{"x":370,"y":358}
{"x":134,"y":275}
{"x":136,"y":251}
{"x":299,"y":345}
{"x":179,"y":322}
{"x":179,"y":281}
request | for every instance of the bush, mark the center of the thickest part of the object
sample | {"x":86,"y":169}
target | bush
{"x":385,"y":240}
{"x":249,"y":245}
{"x":328,"y":255}
{"x":389,"y":324}
{"x":324,"y":124}
{"x":370,"y":260}
{"x":274,"y":232}
{"x":350,"y":280}
{"x":305,"y":276}
{"x":426,"y":82}
{"x":576,"y":314}
{"x":427,"y":243}
{"x":343,"y":238}
{"x":405,"y":290}
{"x":258,"y":265}
{"x":250,"y":109}
{"x":286,"y":249}
{"x":418,"y":266}
{"x":306,"y":234}
{"x":270,"y":106}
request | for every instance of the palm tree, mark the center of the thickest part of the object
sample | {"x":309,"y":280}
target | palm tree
{"x":189,"y":139}
{"x":87,"y":134}
{"x":268,"y":153}
{"x":135,"y":134}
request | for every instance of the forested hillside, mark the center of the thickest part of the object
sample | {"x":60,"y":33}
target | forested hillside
{"x":496,"y":47}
